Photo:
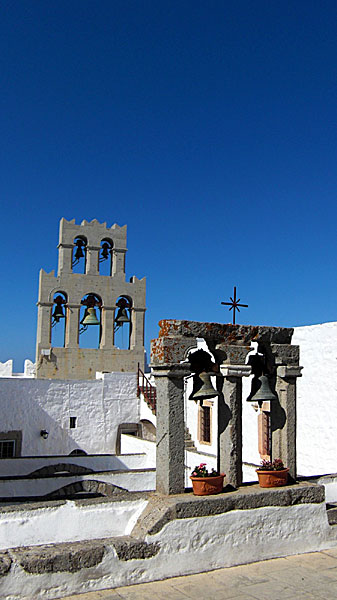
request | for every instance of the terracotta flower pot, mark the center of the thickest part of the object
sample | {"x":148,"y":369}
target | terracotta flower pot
{"x":269,"y":479}
{"x":204,"y":486}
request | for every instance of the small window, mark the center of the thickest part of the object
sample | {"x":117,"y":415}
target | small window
{"x":72,"y":422}
{"x":205,"y":423}
{"x":7,"y":448}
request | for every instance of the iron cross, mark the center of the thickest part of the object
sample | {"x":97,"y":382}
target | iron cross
{"x":234,"y":304}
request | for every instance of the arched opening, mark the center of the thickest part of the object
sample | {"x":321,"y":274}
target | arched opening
{"x":77,"y":452}
{"x":90,"y":331}
{"x":58,"y":319}
{"x":105,"y":257}
{"x":79,"y":255}
{"x":122,"y":324}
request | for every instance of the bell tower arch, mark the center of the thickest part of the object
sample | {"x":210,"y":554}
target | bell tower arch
{"x":89,"y":244}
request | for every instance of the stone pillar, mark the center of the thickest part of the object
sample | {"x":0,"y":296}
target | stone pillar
{"x":283,"y":417}
{"x":92,"y":255}
{"x":65,"y":258}
{"x":170,"y":459}
{"x":118,"y":261}
{"x":44,"y":324}
{"x":230,"y":423}
{"x":108,"y":317}
{"x":72,"y":326}
{"x":137,"y":328}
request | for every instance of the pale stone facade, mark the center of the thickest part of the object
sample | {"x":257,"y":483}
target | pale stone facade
{"x":71,"y":361}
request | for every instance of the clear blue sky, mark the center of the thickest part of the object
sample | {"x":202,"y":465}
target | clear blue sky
{"x":209,"y":128}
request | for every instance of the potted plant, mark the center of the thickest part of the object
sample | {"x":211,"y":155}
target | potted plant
{"x":205,"y":483}
{"x":272,"y":474}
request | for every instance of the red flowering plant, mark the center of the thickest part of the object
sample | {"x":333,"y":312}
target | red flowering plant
{"x":201,"y":471}
{"x":267,"y":465}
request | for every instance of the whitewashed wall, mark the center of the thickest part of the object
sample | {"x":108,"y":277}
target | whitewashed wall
{"x":100,"y":406}
{"x":68,"y":522}
{"x":317,"y":399}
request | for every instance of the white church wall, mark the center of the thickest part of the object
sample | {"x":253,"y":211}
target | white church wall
{"x":317,"y":399}
{"x":99,"y":406}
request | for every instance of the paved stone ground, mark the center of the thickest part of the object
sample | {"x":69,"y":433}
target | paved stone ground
{"x":302,"y":577}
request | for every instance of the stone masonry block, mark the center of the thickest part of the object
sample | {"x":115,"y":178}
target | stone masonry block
{"x":227,"y":333}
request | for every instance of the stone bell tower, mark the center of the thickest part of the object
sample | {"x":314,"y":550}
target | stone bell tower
{"x":77,"y":300}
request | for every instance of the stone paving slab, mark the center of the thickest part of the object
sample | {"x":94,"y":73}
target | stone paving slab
{"x":311,"y":576}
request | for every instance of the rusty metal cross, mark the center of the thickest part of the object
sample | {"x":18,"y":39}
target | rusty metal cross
{"x":234,"y":304}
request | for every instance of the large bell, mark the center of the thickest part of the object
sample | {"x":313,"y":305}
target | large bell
{"x":122,"y":317}
{"x":90,"y":317}
{"x":263,"y":393}
{"x":58,"y":313}
{"x":203,"y":388}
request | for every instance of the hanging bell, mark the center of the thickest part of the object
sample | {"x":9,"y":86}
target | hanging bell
{"x":105,"y":251}
{"x":90,"y":317}
{"x":122,"y":317}
{"x":58,"y":313}
{"x":79,"y":252}
{"x":202,"y":387}
{"x":263,"y":393}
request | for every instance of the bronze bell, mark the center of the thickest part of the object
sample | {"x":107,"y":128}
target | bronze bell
{"x":58,"y":313}
{"x":203,"y":388}
{"x":264,"y":392}
{"x":90,"y":317}
{"x":122,"y":317}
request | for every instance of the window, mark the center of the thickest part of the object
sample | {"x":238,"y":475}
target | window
{"x":205,"y":423}
{"x":7,"y":448}
{"x":72,"y":423}
{"x":10,"y":444}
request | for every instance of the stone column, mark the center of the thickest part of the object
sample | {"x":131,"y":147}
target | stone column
{"x":283,"y":417}
{"x":137,"y":328}
{"x":44,"y":324}
{"x":118,"y":261}
{"x":170,"y":459}
{"x":230,"y":423}
{"x":108,"y":317}
{"x":65,"y":258}
{"x":91,"y":265}
{"x":72,"y":326}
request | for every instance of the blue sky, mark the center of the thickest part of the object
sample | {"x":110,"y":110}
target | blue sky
{"x":209,"y":128}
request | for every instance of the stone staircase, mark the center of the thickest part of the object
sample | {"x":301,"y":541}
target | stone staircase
{"x":189,"y":443}
{"x":149,"y":393}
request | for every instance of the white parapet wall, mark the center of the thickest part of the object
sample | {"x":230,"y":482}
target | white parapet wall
{"x":99,"y":462}
{"x":67,"y":521}
{"x":243,"y":530}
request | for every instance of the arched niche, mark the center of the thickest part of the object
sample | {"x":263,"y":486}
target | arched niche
{"x":105,"y":257}
{"x":58,"y":319}
{"x":122,"y":323}
{"x":90,"y":330}
{"x":79,"y":254}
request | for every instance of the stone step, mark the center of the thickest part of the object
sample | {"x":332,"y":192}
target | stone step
{"x":332,"y":513}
